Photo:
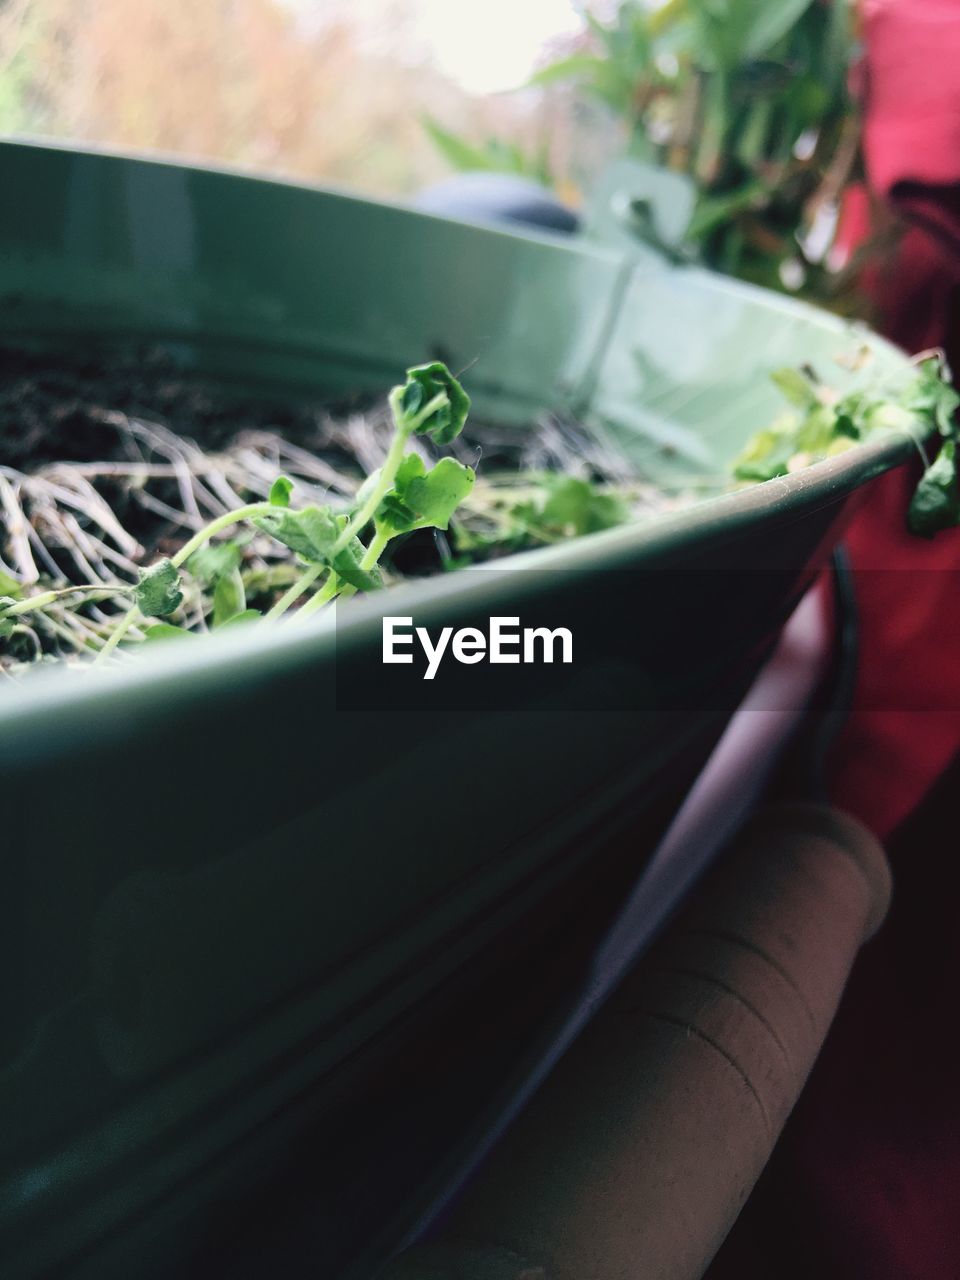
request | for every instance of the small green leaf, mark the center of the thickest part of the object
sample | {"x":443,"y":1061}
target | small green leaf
{"x":714,"y":211}
{"x":492,"y":154}
{"x":852,"y":415}
{"x":6,"y":628}
{"x":565,"y":507}
{"x":424,"y":383}
{"x":158,"y":592}
{"x":933,"y":396}
{"x":757,"y":472}
{"x":394,"y":516}
{"x":567,"y":504}
{"x":422,"y":499}
{"x":768,"y":452}
{"x":9,"y":587}
{"x":887,"y":415}
{"x":165,"y":631}
{"x":733,"y":32}
{"x":310,"y":532}
{"x":574,"y":507}
{"x":435,"y":495}
{"x":229,"y":598}
{"x":768,"y":23}
{"x":215,"y":561}
{"x":936,"y":502}
{"x":346,"y":565}
{"x":819,"y":430}
{"x":824,"y":425}
{"x":280,"y":491}
{"x":574,"y":67}
{"x":797,"y":387}
{"x":458,"y":152}
{"x":411,"y":467}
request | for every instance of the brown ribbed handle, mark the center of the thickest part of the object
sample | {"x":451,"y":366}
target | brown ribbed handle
{"x":638,"y":1153}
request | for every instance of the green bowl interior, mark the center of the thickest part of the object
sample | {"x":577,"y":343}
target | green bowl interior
{"x":296,"y":290}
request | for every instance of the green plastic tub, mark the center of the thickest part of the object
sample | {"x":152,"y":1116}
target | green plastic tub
{"x":211,"y":912}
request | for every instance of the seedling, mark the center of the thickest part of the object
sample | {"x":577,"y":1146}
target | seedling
{"x":538,"y":510}
{"x":324,"y":553}
{"x":402,"y":495}
{"x":820,"y":423}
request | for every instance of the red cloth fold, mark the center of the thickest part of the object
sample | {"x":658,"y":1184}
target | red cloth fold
{"x":905,"y":726}
{"x":912,"y":122}
{"x":873,"y":1155}
{"x":866,"y":1182}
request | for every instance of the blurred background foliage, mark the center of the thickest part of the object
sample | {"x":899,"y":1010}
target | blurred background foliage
{"x":332,"y":90}
{"x":752,"y":101}
{"x":749,"y":98}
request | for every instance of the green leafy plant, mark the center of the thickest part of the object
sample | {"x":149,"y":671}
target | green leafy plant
{"x":820,"y":423}
{"x":492,"y":155}
{"x":537,"y":510}
{"x":748,"y":98}
{"x":222,"y":577}
{"x":334,"y":561}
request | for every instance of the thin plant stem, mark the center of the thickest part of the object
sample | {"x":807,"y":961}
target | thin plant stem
{"x":405,"y":428}
{"x":249,"y":512}
{"x":326,"y":593}
{"x":117,"y":635}
{"x":371,"y":557}
{"x":32,"y":603}
{"x":294,"y":593}
{"x":238,"y":514}
{"x":370,"y":560}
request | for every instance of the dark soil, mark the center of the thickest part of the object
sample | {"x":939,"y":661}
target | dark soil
{"x":56,"y":407}
{"x":51,"y":407}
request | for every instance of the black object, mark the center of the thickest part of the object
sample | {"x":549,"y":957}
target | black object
{"x":498,"y":197}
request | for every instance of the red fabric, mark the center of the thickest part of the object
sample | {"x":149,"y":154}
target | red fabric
{"x":876,"y":1150}
{"x":866,"y":1183}
{"x":905,"y":726}
{"x":912,"y":126}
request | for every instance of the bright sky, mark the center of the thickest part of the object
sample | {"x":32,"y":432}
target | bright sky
{"x":484,"y":45}
{"x":495,"y":44}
